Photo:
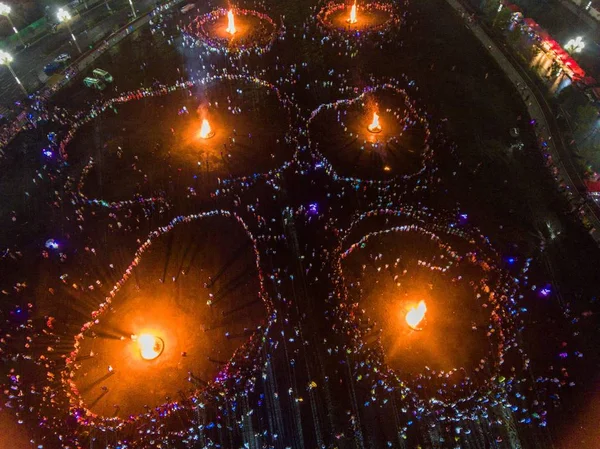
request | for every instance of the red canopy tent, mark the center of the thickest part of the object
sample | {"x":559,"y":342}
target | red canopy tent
{"x":588,"y":81}
{"x":512,"y":7}
{"x":542,"y":34}
{"x":593,"y":186}
{"x":564,"y":58}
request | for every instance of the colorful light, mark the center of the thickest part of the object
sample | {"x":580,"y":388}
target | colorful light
{"x":206,"y":131}
{"x":415,"y":315}
{"x":374,"y":126}
{"x":230,"y":23}
{"x":352,"y":18}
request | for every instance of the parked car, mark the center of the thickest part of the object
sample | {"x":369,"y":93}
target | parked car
{"x":94,"y":83}
{"x":53,"y":67}
{"x":63,"y":58}
{"x":102,"y":75}
{"x":59,"y":62}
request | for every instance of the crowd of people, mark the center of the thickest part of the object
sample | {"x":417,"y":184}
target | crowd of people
{"x":495,"y":291}
{"x":41,"y":385}
{"x":389,"y":17}
{"x":257,"y":40}
{"x":406,"y":116}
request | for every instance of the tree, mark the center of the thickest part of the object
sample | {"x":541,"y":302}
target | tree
{"x":586,"y":116}
{"x":490,"y":8}
{"x":502,"y":19}
{"x":514,"y":36}
{"x":590,"y":152}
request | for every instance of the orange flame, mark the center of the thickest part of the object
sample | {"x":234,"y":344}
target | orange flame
{"x":415,"y":315}
{"x":230,"y":23}
{"x":205,"y":130}
{"x":352,"y":18}
{"x":150,"y":346}
{"x":374,"y":126}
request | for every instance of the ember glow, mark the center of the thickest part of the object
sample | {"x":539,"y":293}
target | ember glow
{"x":374,"y":126}
{"x":206,"y":131}
{"x":150,"y":346}
{"x":352,"y":18}
{"x":415,"y":315}
{"x":230,"y":23}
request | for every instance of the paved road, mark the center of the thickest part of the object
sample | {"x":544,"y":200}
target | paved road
{"x":593,"y":23}
{"x":547,"y":128}
{"x":28,"y":63}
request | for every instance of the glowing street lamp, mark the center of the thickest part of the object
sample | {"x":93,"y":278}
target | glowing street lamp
{"x":64,"y":16}
{"x":150,"y":346}
{"x":132,"y":9}
{"x":230,"y":23}
{"x":575,"y":45}
{"x":415,"y":315}
{"x":6,"y":59}
{"x":352,"y":19}
{"x":5,"y":11}
{"x":206,"y":131}
{"x":374,"y":127}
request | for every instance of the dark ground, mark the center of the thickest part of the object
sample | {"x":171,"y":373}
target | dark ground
{"x":211,"y":260}
{"x":509,"y":196}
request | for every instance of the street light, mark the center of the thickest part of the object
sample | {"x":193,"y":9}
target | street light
{"x":132,"y":9}
{"x":64,"y":16}
{"x":5,"y":11}
{"x":6,"y":59}
{"x":575,"y":45}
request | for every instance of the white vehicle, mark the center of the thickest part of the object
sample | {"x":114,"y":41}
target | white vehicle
{"x":187,"y":8}
{"x":63,"y":58}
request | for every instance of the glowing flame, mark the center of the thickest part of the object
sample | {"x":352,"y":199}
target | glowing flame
{"x":374,"y":126}
{"x":206,"y":131}
{"x":415,"y":315}
{"x":150,"y":346}
{"x":230,"y":23}
{"x":352,"y":18}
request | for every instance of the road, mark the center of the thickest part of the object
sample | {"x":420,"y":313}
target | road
{"x":94,"y":24}
{"x":539,"y":110}
{"x":593,"y":23}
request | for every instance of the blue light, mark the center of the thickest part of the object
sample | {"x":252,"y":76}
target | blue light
{"x":51,"y":244}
